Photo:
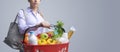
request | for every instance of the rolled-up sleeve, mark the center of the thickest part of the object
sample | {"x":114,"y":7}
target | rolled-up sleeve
{"x":21,"y":21}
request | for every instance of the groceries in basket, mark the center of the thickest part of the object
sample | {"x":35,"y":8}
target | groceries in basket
{"x":56,"y":36}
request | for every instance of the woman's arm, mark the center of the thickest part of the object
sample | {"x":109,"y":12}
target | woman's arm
{"x":21,"y":21}
{"x":43,"y":24}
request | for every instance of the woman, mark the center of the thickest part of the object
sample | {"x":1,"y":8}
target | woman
{"x":31,"y":18}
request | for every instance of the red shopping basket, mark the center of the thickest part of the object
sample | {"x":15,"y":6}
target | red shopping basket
{"x":47,"y":48}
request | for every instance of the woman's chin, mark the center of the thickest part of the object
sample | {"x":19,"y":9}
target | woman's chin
{"x":35,"y":6}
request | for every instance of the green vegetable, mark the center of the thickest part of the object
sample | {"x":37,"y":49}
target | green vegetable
{"x":60,"y":24}
{"x":58,"y":32}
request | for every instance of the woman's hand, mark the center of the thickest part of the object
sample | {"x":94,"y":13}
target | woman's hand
{"x":45,"y":24}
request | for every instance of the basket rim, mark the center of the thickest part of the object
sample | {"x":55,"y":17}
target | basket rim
{"x":47,"y":44}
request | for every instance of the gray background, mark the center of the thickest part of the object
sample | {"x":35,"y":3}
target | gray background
{"x":97,"y":22}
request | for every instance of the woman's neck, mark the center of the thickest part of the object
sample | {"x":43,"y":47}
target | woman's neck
{"x":34,"y":9}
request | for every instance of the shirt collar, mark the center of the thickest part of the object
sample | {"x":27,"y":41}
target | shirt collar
{"x":30,"y":10}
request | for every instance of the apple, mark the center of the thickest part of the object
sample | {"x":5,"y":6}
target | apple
{"x":42,"y":42}
{"x":44,"y":36}
{"x":38,"y":36}
{"x":51,"y":41}
{"x":50,"y":34}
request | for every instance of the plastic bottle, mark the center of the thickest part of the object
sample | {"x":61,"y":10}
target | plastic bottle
{"x":32,"y":38}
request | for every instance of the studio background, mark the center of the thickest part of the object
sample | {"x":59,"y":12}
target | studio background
{"x":97,"y":22}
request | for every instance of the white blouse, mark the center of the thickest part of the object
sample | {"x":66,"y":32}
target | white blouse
{"x":28,"y":19}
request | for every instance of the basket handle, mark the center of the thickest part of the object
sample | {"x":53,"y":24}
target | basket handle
{"x":28,"y":29}
{"x":26,"y":32}
{"x":52,"y":26}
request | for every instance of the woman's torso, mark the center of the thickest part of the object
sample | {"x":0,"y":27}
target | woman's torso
{"x":32,"y":19}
